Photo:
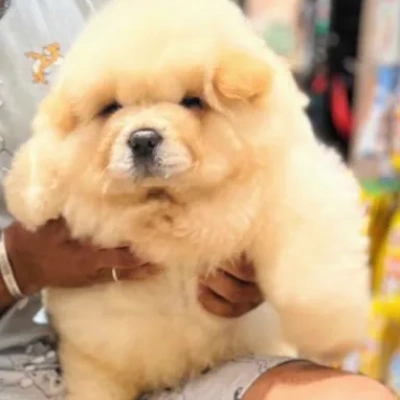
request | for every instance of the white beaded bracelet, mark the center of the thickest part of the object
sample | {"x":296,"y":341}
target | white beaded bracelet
{"x":7,"y":273}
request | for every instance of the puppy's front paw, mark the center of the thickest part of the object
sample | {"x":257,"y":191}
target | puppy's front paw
{"x":32,"y":189}
{"x":324,"y":335}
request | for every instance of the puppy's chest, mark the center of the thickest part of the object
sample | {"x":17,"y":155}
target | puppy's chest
{"x":168,"y":233}
{"x":194,"y":232}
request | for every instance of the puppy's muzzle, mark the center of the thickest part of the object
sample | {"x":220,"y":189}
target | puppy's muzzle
{"x":144,"y":143}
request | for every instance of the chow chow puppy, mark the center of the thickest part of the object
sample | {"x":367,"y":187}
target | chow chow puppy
{"x":174,"y":130}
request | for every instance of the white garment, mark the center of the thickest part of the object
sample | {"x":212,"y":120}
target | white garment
{"x":29,"y":367}
{"x":26,"y":28}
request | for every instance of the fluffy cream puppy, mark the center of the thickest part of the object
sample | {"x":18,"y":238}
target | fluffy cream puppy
{"x":174,"y":130}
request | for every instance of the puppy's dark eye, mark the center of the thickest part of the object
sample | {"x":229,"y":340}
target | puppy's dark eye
{"x":110,"y":109}
{"x":192,"y":102}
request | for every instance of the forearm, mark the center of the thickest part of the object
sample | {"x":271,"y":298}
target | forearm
{"x":6,"y":299}
{"x":23,"y":282}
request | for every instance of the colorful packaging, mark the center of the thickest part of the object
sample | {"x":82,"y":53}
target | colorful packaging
{"x":381,"y":355}
{"x":389,"y":261}
{"x":377,"y":358}
{"x":376,"y":162}
{"x":375,"y":154}
{"x":393,"y":378}
{"x":395,"y":142}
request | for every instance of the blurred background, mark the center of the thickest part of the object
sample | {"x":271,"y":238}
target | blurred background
{"x":345,"y":55}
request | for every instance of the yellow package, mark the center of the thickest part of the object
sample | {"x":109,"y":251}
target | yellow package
{"x":396,"y":161}
{"x":378,"y":206}
{"x":393,"y":372}
{"x":384,"y":338}
{"x":388,"y":261}
{"x":373,"y":359}
{"x":378,"y":358}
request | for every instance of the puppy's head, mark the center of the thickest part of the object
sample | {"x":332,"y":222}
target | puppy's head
{"x":172,"y":94}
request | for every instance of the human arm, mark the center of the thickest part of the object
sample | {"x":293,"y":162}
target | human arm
{"x":231,"y":292}
{"x":49,"y":257}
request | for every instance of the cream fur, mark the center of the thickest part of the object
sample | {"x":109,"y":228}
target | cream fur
{"x":245,"y":175}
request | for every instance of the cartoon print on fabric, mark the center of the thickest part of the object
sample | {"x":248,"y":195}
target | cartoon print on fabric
{"x":43,"y":62}
{"x":34,"y":370}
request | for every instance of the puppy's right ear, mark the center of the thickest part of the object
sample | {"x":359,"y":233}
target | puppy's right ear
{"x":251,"y":76}
{"x":242,"y":76}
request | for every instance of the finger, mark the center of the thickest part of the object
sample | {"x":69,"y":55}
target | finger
{"x":123,"y":258}
{"x":106,"y":275}
{"x":242,"y":270}
{"x":103,"y":275}
{"x":105,"y":258}
{"x":217,"y":305}
{"x":58,"y":229}
{"x":128,"y":259}
{"x":232,"y":289}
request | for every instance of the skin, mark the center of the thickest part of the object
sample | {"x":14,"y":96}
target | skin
{"x":304,"y":381}
{"x":230,"y":293}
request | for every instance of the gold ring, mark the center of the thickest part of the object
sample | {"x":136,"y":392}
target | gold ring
{"x":114,"y":275}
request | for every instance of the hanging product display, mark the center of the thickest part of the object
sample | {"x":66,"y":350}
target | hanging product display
{"x":376,"y":150}
{"x":379,"y":358}
{"x":395,"y":128}
{"x":327,"y":50}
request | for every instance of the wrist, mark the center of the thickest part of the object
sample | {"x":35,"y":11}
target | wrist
{"x":24,"y":274}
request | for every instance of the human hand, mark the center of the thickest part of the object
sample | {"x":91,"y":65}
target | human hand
{"x":232,"y":291}
{"x":49,"y":257}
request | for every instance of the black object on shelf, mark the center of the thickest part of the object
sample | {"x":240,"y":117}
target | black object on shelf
{"x":332,"y":81}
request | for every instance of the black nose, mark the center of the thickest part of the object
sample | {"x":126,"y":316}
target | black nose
{"x":143,"y":142}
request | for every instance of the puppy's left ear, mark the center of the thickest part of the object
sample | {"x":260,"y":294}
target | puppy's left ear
{"x":242,"y":76}
{"x":56,"y":112}
{"x":35,"y":189}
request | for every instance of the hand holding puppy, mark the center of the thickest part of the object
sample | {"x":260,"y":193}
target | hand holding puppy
{"x":49,"y":257}
{"x":232,"y":291}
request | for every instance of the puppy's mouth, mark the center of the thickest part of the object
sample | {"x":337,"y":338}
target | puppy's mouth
{"x":159,"y":194}
{"x":146,"y":169}
{"x":153,"y":167}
